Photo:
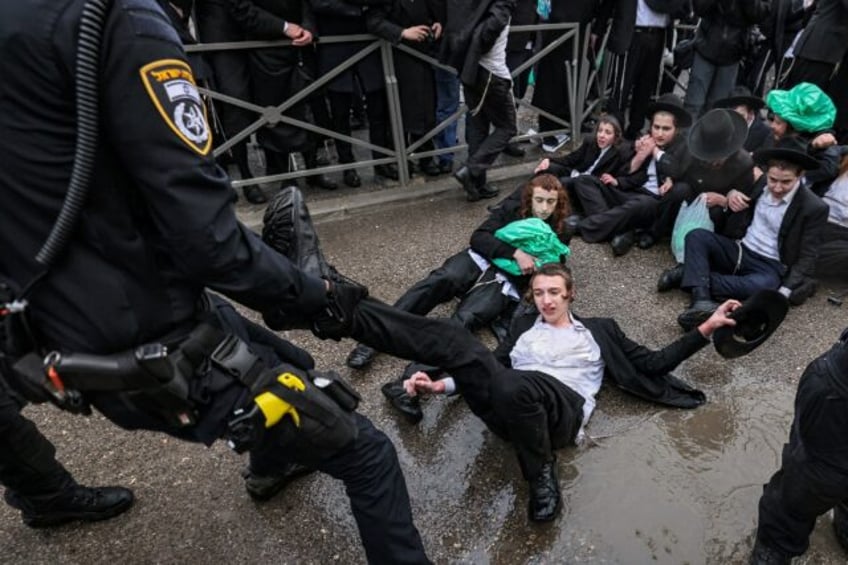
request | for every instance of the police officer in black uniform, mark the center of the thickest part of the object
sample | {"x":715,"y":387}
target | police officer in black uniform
{"x":156,"y":229}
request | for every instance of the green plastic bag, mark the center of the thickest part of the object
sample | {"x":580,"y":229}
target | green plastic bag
{"x":806,"y":107}
{"x":532,"y":236}
{"x":691,"y":216}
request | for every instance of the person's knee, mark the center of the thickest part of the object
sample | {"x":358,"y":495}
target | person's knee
{"x":697,"y":239}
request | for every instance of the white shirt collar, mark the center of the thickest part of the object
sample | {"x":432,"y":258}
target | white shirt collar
{"x":788,"y":198}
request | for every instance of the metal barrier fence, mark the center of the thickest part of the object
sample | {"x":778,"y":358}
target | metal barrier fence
{"x":581,"y":73}
{"x":578,"y":84}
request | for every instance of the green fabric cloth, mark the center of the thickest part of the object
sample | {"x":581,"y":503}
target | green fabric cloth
{"x":806,"y":107}
{"x":532,"y":236}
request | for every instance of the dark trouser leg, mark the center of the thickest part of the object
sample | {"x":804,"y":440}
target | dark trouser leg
{"x":498,"y":110}
{"x":340,"y":103}
{"x":28,"y":465}
{"x":755,"y":273}
{"x":454,"y":278}
{"x":539,"y":413}
{"x":641,"y":77}
{"x":378,"y":121}
{"x":668,"y":208}
{"x":637,"y":210}
{"x":591,"y":195}
{"x":481,"y":305}
{"x":814,"y":473}
{"x":447,"y":102}
{"x":375,"y":486}
{"x":724,"y":79}
{"x":707,"y":252}
{"x":832,"y":263}
{"x":700,"y":79}
{"x":440,"y":343}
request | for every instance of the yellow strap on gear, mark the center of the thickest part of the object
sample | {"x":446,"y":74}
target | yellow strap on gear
{"x":274,"y":407}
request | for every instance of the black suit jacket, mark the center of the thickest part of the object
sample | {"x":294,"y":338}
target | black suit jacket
{"x":825,"y":38}
{"x":799,"y":236}
{"x":632,"y":367}
{"x":673,"y":164}
{"x":759,"y":136}
{"x":613,"y":161}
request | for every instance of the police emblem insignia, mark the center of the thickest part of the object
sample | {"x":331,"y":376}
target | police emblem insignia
{"x":171,"y":86}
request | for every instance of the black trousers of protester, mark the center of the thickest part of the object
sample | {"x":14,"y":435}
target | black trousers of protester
{"x":378,"y":121}
{"x":531,"y":403}
{"x":368,"y":466}
{"x":539,"y":413}
{"x":634,"y":78}
{"x":28,"y":465}
{"x":727,"y":268}
{"x":832,"y":263}
{"x":611,"y":211}
{"x":491,"y":121}
{"x":813,"y":477}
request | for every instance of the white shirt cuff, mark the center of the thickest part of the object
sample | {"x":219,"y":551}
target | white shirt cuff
{"x":785,"y":291}
{"x":450,"y":386}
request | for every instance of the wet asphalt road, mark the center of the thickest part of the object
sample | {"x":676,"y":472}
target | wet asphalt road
{"x":657,"y":485}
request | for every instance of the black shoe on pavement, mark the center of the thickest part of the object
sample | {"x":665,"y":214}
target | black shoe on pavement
{"x":804,"y":291}
{"x":671,"y":278}
{"x":263,"y":488}
{"x":445,"y":167}
{"x":765,"y":555}
{"x":696,"y":314}
{"x":409,"y":406}
{"x":430,"y":168}
{"x":464,"y":177}
{"x":545,"y":499}
{"x":76,"y":503}
{"x":515,"y":150}
{"x":389,"y":171}
{"x":646,"y":240}
{"x":572,"y":224}
{"x":622,"y":243}
{"x":351,"y":178}
{"x":488,"y":191}
{"x":254,"y":195}
{"x":361,"y":356}
{"x":322,"y":181}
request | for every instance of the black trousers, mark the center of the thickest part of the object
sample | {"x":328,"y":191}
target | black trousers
{"x":491,"y":123}
{"x":28,"y":465}
{"x":813,"y":477}
{"x":611,"y":211}
{"x":635,"y":76}
{"x":832,"y":263}
{"x":368,"y":467}
{"x":519,"y":406}
{"x":378,"y":121}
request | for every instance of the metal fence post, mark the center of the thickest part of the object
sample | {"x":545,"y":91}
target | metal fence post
{"x":395,"y":116}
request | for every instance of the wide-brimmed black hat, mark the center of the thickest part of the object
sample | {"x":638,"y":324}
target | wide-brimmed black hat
{"x":718,"y":134}
{"x":793,"y":153}
{"x":741,"y":96}
{"x":756,"y":320}
{"x":674,"y":106}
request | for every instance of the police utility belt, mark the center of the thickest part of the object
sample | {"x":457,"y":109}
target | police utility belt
{"x":315,"y":408}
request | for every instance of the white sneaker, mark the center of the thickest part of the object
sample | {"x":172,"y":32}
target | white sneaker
{"x":561,"y":139}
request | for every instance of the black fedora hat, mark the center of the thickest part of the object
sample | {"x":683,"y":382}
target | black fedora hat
{"x":786,"y":151}
{"x":756,"y":320}
{"x":673,"y":105}
{"x":741,"y":96}
{"x":718,"y":134}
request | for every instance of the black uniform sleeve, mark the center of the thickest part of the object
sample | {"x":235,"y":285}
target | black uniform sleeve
{"x":163,"y":140}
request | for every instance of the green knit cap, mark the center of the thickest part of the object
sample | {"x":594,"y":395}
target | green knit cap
{"x":806,"y":107}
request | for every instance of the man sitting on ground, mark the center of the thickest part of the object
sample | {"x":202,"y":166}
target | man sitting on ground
{"x":779,"y":231}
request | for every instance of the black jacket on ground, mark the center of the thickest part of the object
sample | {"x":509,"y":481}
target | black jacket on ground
{"x":800,"y":231}
{"x":632,"y":367}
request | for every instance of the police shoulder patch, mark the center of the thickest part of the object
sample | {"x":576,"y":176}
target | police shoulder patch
{"x":171,"y":86}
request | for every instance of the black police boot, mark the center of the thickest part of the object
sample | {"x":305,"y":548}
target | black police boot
{"x":622,"y":243}
{"x":545,"y":499}
{"x":409,"y":406}
{"x":701,"y":308}
{"x":262,"y":488}
{"x":671,"y":278}
{"x":75,"y":503}
{"x":766,"y":555}
{"x":361,"y":356}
